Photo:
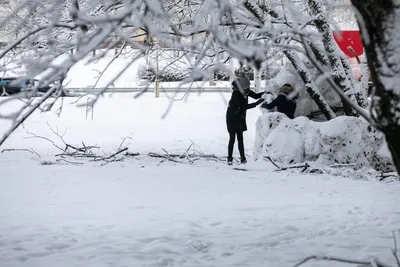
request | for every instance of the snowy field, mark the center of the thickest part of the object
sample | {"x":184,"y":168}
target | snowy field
{"x":142,"y":213}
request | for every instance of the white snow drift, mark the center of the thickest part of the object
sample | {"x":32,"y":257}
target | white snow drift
{"x":341,"y":140}
{"x":141,"y":212}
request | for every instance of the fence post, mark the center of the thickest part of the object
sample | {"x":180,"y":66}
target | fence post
{"x":157,"y":76}
{"x":89,"y":108}
{"x":116,"y":46}
{"x":257,"y":80}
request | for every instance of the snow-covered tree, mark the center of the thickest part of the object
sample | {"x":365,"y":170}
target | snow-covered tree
{"x":338,"y":70}
{"x":380,"y":27}
{"x":208,"y":34}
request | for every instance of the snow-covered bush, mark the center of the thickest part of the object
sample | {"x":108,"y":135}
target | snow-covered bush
{"x":175,"y":66}
{"x":148,"y":74}
{"x":165,"y":75}
{"x":221,"y":75}
{"x":341,"y":140}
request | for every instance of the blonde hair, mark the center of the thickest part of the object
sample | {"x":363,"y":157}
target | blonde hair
{"x":286,"y":88}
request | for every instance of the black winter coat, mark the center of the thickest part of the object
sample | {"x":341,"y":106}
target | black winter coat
{"x":236,"y":113}
{"x":283,"y":104}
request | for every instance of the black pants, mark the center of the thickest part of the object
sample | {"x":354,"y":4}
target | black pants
{"x":232,"y":143}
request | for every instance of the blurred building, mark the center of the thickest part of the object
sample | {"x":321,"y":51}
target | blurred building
{"x":6,"y":34}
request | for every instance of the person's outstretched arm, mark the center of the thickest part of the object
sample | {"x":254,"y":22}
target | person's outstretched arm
{"x":255,"y":95}
{"x":255,"y":104}
{"x":274,"y":102}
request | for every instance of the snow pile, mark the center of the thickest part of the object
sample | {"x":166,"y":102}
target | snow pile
{"x":342,"y":140}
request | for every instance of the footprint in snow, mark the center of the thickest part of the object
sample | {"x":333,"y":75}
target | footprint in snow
{"x":291,"y":228}
{"x":215,"y":224}
{"x":22,"y":258}
{"x":58,"y":246}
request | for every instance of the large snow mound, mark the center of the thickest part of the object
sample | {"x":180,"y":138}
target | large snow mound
{"x":342,"y":140}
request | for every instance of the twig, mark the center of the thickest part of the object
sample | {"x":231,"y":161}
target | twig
{"x":123,"y":141}
{"x":296,"y":166}
{"x":21,"y":149}
{"x":276,"y":165}
{"x":354,"y":54}
{"x":113,"y":155}
{"x":108,"y":65}
{"x":306,"y":165}
{"x":316,"y":171}
{"x":196,"y":147}
{"x":70,"y":162}
{"x":187,"y":150}
{"x":241,"y":169}
{"x":343,"y":165}
{"x":46,"y":163}
{"x":327,"y":258}
{"x":44,"y":138}
{"x":200,"y":247}
{"x":388,"y":174}
{"x":155,"y":155}
{"x":129,"y":154}
{"x":77,"y":155}
{"x":109,"y":161}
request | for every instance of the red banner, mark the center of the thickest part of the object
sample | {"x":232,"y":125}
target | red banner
{"x":351,"y":38}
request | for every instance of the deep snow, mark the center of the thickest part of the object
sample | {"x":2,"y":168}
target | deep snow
{"x":142,"y":213}
{"x":342,"y":140}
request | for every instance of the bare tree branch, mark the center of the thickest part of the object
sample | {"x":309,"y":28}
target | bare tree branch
{"x":343,"y":260}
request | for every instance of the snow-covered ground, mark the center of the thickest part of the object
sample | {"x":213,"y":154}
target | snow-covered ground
{"x":142,"y":213}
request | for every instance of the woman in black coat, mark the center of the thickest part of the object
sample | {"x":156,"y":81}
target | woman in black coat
{"x":236,"y":114}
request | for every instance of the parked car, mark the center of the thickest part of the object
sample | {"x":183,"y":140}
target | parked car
{"x":12,"y":85}
{"x":15,"y":85}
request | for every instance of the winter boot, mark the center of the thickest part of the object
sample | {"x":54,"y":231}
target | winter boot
{"x":230,"y":161}
{"x":243,"y":160}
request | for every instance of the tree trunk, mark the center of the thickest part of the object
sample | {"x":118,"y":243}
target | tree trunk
{"x":380,"y":30}
{"x":393,"y":141}
{"x":360,"y":93}
{"x":310,"y":85}
{"x":338,"y":72}
{"x":319,"y":55}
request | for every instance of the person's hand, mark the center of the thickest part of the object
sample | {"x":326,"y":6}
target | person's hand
{"x":263,"y":105}
{"x":259,"y":101}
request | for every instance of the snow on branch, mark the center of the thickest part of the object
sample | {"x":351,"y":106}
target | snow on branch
{"x":334,"y":85}
{"x":210,"y":32}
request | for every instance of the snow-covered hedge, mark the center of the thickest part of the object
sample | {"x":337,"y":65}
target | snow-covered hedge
{"x":341,"y":140}
{"x":166,"y":75}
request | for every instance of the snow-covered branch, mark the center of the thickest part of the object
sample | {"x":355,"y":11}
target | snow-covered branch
{"x":209,"y":32}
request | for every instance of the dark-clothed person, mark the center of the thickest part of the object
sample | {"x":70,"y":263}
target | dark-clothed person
{"x":236,"y":113}
{"x":285,"y":102}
